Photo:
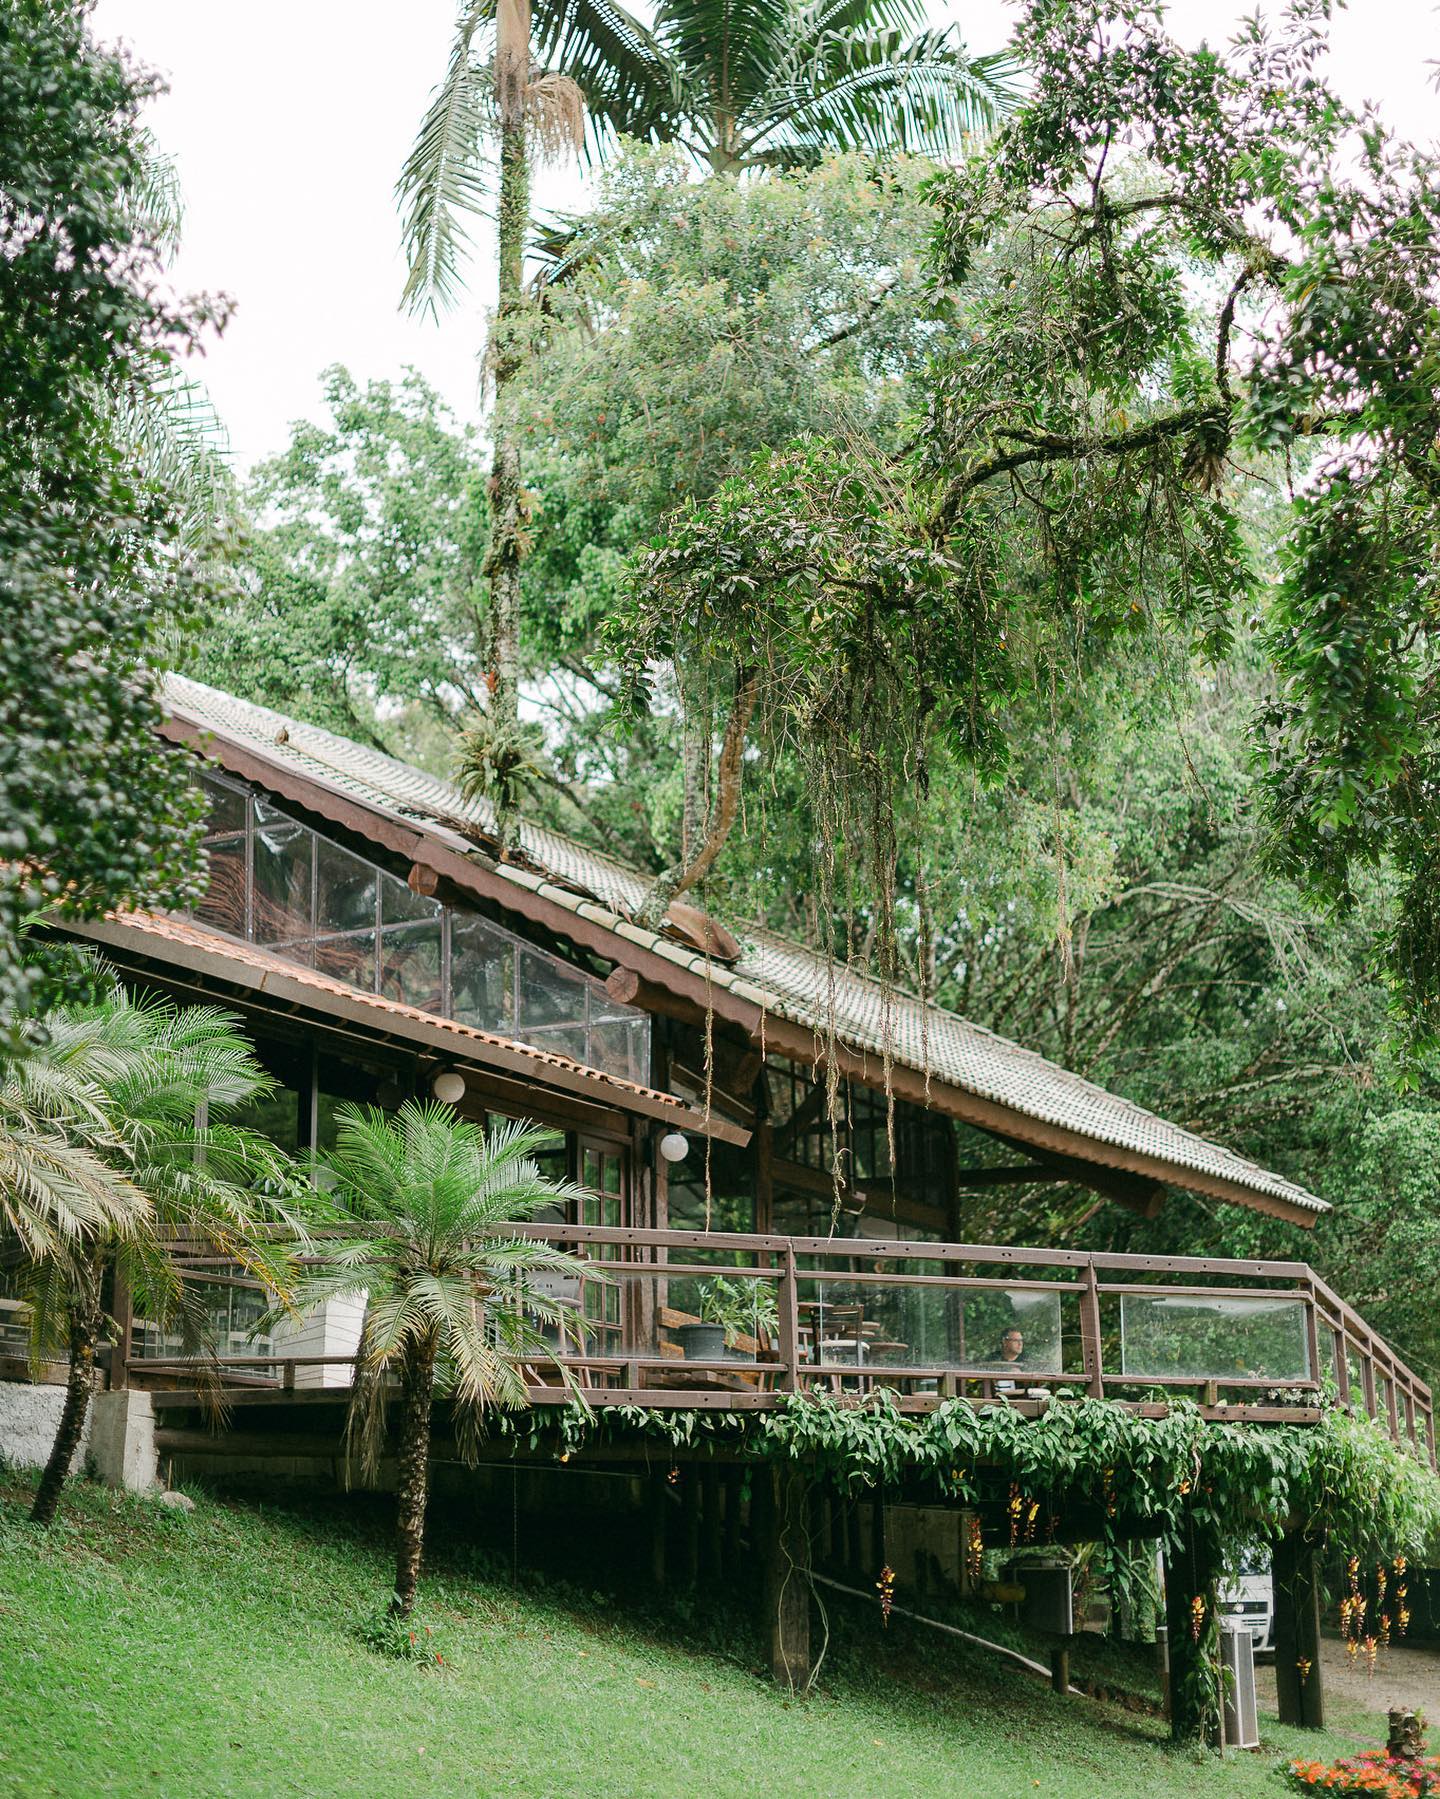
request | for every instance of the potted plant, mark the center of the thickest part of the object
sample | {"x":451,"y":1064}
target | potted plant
{"x":729,"y":1309}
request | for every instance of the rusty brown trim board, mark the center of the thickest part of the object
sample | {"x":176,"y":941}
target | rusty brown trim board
{"x":768,"y":1030}
{"x":434,"y":1038}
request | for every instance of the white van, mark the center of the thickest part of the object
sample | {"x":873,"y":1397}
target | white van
{"x":1248,"y":1596}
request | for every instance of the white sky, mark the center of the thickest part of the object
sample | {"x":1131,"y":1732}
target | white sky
{"x":290,"y":120}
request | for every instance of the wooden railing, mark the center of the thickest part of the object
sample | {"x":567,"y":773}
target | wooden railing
{"x":1248,"y":1339}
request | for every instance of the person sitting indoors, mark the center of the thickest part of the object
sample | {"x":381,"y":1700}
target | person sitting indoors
{"x":1011,"y":1355}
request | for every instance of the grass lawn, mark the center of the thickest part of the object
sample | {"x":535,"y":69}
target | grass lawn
{"x":150,"y":1652}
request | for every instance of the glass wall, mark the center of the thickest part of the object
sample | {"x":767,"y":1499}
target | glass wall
{"x":277,"y":883}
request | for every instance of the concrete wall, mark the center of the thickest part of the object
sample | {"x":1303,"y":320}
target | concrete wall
{"x":29,"y":1418}
{"x":122,"y":1439}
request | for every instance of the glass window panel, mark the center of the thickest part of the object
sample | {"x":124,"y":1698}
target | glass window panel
{"x":552,"y":1005}
{"x":621,"y":1046}
{"x":302,"y":953}
{"x":345,"y":889}
{"x":410,"y":965}
{"x":482,"y":975}
{"x":283,"y":851}
{"x":223,"y":906}
{"x":1212,"y":1338}
{"x":277,"y":1117}
{"x":349,"y":958}
{"x":732,"y":1193}
{"x":398,"y":905}
{"x":227,"y":807}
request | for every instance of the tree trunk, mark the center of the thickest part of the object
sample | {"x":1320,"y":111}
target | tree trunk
{"x":79,"y":1384}
{"x":506,"y":492}
{"x":695,"y":863}
{"x":413,"y":1485}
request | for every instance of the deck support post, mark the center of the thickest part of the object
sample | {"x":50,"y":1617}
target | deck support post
{"x":787,"y":1576}
{"x":1298,"y":1685}
{"x":689,"y":1527}
{"x":854,"y":1536}
{"x":1060,"y":1668}
{"x":734,"y":1479}
{"x":657,"y":1524}
{"x":1193,"y":1567}
{"x":877,"y":1532}
{"x":711,"y":1522}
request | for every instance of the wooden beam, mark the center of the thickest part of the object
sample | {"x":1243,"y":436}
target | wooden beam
{"x":1298,"y":1685}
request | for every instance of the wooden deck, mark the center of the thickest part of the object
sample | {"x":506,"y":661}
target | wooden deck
{"x":1261,"y":1341}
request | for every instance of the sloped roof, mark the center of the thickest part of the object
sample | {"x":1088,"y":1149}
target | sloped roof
{"x":261,"y":969}
{"x":782,"y":978}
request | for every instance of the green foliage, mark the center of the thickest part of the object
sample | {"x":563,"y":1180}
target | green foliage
{"x":356,"y":605}
{"x":407,"y":1639}
{"x":115,"y":1136}
{"x":431,"y":1198}
{"x":94,"y":582}
{"x":1171,"y":269}
{"x":744,"y":1308}
{"x":708,"y":321}
{"x":1343,"y":1479}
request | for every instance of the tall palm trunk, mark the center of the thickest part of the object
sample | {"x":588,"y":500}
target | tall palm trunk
{"x":502,"y":562}
{"x":85,"y":1321}
{"x":413,"y":1485}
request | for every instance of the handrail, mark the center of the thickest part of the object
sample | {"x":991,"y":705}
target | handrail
{"x":1334,"y":1334}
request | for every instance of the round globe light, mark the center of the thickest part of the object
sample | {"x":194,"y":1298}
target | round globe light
{"x":674,"y":1146}
{"x":448,"y":1087}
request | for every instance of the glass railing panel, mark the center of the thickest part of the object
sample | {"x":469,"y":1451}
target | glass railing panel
{"x":223,"y":907}
{"x":346,"y":888}
{"x":929,"y":1323}
{"x":482,"y":975}
{"x":350,"y":959}
{"x":1211,"y":1337}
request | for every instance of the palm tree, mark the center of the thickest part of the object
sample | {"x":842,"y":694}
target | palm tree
{"x":113,"y":1143}
{"x":740,"y":84}
{"x":450,"y":1309}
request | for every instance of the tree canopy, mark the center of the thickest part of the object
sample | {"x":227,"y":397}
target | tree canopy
{"x":1175,"y":274}
{"x":97,"y":578}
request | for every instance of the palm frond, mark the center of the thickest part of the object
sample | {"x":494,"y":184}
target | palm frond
{"x":629,"y":84}
{"x":880,"y":93}
{"x":449,"y":172}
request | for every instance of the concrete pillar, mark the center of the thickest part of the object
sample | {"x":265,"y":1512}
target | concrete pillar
{"x":1297,"y":1633}
{"x":122,"y":1440}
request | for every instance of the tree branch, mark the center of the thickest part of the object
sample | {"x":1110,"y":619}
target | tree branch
{"x":1044,"y":446}
{"x":684,"y":874}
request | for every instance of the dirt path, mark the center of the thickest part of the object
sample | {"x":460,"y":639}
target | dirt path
{"x":1405,"y":1675}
